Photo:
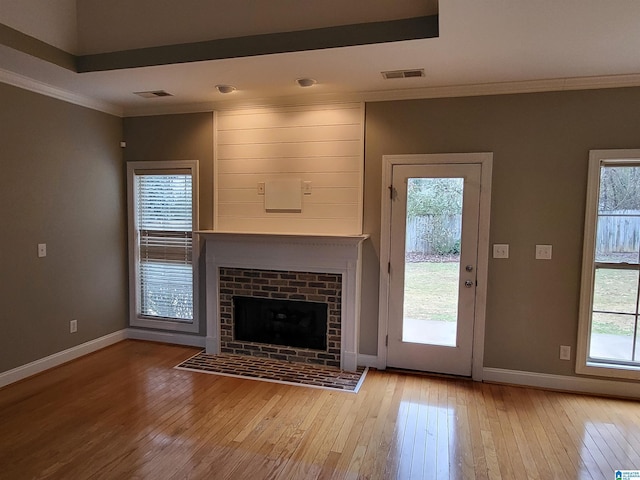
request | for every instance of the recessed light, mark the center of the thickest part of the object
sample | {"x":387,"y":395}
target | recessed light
{"x":306,"y":82}
{"x":225,"y":88}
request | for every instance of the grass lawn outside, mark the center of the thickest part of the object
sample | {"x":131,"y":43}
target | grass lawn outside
{"x":615,"y":291}
{"x":431,"y":293}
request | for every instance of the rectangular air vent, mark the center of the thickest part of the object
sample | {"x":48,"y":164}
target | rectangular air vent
{"x":153,"y":94}
{"x":416,"y":72}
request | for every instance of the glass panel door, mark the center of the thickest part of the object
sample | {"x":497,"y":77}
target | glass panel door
{"x":433,"y":252}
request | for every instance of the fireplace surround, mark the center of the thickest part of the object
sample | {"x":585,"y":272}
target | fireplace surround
{"x":320,"y":255}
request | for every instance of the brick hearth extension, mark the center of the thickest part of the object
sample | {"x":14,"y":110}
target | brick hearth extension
{"x":281,"y":285}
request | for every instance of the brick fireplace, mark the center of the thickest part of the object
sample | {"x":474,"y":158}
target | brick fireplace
{"x":284,"y":286}
{"x":312,"y":268}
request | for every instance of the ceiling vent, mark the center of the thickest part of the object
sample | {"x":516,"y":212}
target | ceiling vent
{"x":153,"y":94}
{"x":418,"y":72}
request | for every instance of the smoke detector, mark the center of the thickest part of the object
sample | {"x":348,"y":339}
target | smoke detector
{"x":392,"y":74}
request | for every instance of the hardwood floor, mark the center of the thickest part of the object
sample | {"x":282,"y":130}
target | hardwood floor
{"x":125,"y":413}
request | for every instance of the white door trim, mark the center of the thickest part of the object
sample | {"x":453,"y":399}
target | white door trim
{"x":485,"y":160}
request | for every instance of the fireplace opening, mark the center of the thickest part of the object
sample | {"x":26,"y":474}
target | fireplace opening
{"x":291,"y":323}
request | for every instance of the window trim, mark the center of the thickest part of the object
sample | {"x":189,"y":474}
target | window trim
{"x":597,"y":158}
{"x":135,"y":320}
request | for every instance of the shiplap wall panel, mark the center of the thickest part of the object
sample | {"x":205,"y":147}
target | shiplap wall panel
{"x":313,"y":210}
{"x":291,"y":165}
{"x":292,"y":225}
{"x":257,"y":151}
{"x":312,"y":133}
{"x":326,"y":196}
{"x":321,"y":144}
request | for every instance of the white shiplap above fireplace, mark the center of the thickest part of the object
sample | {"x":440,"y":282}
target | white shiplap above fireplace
{"x":321,"y":146}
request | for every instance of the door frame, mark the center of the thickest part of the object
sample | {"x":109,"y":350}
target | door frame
{"x":485,"y":160}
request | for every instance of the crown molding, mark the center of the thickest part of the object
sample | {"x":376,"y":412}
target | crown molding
{"x":32,"y":85}
{"x":470,"y":90}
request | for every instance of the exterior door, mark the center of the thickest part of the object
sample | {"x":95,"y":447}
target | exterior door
{"x":432,"y":270}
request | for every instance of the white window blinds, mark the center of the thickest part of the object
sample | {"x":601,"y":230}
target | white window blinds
{"x":164,"y":214}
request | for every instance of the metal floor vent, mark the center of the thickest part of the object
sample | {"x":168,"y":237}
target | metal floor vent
{"x":418,"y":72}
{"x":153,"y":94}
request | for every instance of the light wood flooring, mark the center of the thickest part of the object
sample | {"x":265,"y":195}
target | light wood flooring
{"x":125,"y":413}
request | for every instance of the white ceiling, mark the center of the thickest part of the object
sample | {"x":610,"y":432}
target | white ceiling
{"x":485,"y":46}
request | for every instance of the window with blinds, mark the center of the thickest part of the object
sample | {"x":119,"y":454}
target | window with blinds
{"x":163,"y":223}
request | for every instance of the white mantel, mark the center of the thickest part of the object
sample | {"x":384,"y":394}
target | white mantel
{"x":289,"y":252}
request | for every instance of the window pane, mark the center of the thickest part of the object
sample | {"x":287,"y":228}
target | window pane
{"x":615,"y":290}
{"x":164,"y":220}
{"x":166,"y":290}
{"x":612,"y":337}
{"x":432,"y":263}
{"x":618,"y":238}
{"x":619,"y":189}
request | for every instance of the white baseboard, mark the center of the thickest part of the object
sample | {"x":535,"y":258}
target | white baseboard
{"x":37,"y":366}
{"x":367,"y":360}
{"x":166,"y":337}
{"x":565,"y":383}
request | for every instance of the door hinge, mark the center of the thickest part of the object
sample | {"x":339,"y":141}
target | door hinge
{"x":386,"y":341}
{"x":391,"y":190}
{"x":389,"y":268}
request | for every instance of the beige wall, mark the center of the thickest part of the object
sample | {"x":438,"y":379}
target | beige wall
{"x":541,"y":144}
{"x":61,"y":183}
{"x":178,"y":137}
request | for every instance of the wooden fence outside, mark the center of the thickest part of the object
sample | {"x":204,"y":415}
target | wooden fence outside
{"x":619,"y":233}
{"x":437,"y":234}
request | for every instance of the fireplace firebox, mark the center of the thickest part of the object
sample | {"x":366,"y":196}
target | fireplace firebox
{"x":291,"y":323}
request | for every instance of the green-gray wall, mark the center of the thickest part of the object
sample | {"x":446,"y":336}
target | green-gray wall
{"x":61,"y":183}
{"x":541,"y":146}
{"x":178,"y":137}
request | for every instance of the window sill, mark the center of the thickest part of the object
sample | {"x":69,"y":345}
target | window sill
{"x":174,"y":326}
{"x":608,"y":370}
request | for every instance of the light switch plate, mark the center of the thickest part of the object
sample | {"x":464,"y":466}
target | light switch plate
{"x":260,"y":188}
{"x":543,"y":252}
{"x":42,"y":250}
{"x":500,"y":250}
{"x":306,"y":187}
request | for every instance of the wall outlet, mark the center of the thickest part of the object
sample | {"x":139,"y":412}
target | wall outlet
{"x":260,"y":188}
{"x":73,"y":326}
{"x":565,"y":352}
{"x":42,"y":250}
{"x":500,"y":250}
